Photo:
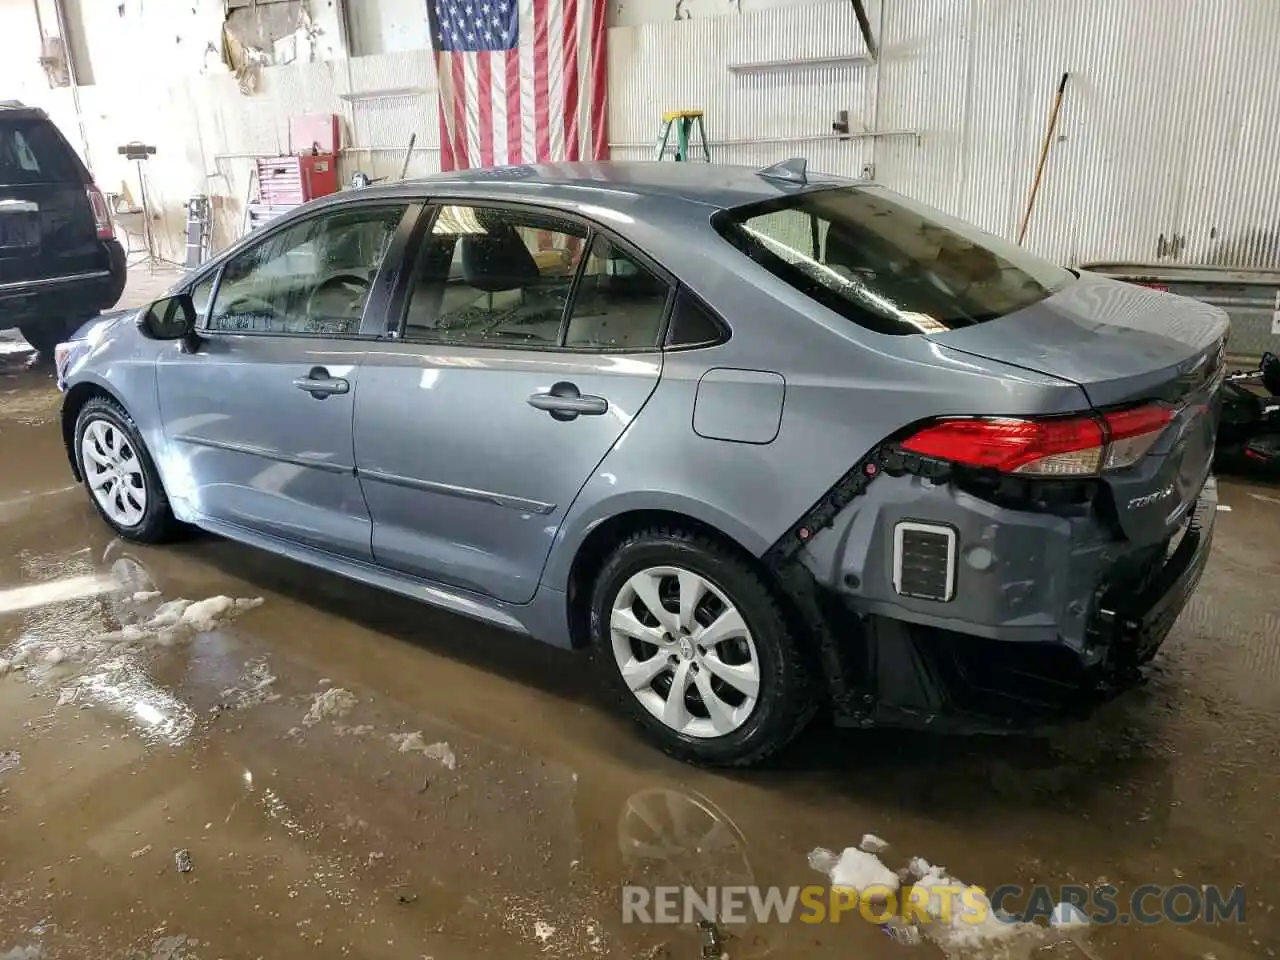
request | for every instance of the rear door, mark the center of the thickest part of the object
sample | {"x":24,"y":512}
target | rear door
{"x":258,"y":418}
{"x":47,"y":228}
{"x":528,"y":347}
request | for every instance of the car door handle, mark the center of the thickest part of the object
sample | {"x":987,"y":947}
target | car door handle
{"x":319,"y":384}
{"x":564,"y":402}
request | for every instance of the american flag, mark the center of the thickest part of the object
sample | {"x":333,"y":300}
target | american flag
{"x":521,"y":81}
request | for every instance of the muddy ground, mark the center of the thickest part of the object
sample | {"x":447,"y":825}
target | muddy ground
{"x":335,"y":772}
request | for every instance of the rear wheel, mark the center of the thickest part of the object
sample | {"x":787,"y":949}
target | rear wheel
{"x":44,"y":335}
{"x":698,"y":650}
{"x":120,"y":475}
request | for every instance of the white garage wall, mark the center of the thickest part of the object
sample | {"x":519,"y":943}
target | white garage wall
{"x":1168,"y":146}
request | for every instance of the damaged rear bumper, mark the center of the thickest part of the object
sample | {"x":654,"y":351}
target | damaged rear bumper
{"x":1051,"y":612}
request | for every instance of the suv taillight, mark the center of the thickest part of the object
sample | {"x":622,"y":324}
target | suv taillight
{"x":1054,"y":447}
{"x":101,"y":215}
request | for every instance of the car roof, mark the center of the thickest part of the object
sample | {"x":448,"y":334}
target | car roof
{"x":17,"y":110}
{"x":716,"y":185}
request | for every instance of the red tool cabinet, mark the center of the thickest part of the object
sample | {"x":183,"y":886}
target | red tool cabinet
{"x":287,"y":181}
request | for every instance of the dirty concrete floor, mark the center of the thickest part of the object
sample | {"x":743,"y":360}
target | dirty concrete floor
{"x":312,"y":826}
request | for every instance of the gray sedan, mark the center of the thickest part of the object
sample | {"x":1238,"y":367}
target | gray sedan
{"x":769,"y":443}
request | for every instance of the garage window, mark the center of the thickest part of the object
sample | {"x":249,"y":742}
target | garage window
{"x":888,"y":263}
{"x":312,"y":278}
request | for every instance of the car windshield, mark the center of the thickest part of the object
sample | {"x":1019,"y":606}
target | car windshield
{"x":888,"y":263}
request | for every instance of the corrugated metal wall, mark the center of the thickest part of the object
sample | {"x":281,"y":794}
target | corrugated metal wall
{"x":1167,"y":148}
{"x":1168,"y":145}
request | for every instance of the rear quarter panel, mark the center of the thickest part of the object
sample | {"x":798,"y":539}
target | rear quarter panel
{"x":846,"y":389}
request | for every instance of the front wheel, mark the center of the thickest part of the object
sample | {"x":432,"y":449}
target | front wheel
{"x":119,"y":474}
{"x":697,"y":647}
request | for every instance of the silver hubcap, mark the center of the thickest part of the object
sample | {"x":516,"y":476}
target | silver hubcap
{"x":685,"y":652}
{"x":114,"y":473}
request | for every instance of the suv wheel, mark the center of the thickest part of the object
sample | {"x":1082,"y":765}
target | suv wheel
{"x":698,"y":650}
{"x":44,"y":335}
{"x":119,"y":474}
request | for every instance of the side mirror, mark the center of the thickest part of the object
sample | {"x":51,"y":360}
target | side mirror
{"x":173,"y":318}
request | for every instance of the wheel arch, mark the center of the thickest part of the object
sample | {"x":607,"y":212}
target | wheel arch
{"x":607,"y":534}
{"x":77,"y":396}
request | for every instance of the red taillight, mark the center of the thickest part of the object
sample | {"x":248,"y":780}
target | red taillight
{"x":1057,"y":447}
{"x":101,"y":215}
{"x":1130,"y":433}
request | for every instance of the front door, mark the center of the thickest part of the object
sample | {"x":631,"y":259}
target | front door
{"x":258,"y":417}
{"x":519,"y":368}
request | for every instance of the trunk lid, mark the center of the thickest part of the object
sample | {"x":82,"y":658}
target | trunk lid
{"x":47,"y":225}
{"x":1124,"y":344}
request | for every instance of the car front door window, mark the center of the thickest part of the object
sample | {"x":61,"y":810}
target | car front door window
{"x":312,"y":278}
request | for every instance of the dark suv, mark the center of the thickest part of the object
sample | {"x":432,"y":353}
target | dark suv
{"x":60,"y":262}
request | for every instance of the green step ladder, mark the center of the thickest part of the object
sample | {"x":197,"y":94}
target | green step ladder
{"x":686,"y":123}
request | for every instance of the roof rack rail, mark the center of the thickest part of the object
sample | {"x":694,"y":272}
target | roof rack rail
{"x":788,"y":171}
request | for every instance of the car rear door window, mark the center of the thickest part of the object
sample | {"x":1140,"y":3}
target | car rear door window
{"x":33,"y":151}
{"x":888,"y":263}
{"x":493,"y":276}
{"x":311,"y":278}
{"x":619,"y":304}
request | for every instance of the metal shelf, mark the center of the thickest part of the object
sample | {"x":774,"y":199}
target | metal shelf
{"x":794,"y":138}
{"x":767,"y":66}
{"x":397,"y":93}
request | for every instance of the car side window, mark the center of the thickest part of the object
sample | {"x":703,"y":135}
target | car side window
{"x":619,"y":304}
{"x":312,"y":278}
{"x":692,"y":325}
{"x":496,"y":277}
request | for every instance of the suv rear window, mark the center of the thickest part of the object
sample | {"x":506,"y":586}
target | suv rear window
{"x":888,"y":263}
{"x":33,"y":151}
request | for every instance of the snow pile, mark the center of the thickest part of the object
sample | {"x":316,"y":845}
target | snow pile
{"x":413,"y":742}
{"x":333,"y":702}
{"x":359,"y":730}
{"x":873,"y":844}
{"x":961,"y":918}
{"x":168,"y":624}
{"x":200,"y":616}
{"x":1067,"y":916}
{"x":854,"y":869}
{"x":254,"y":686}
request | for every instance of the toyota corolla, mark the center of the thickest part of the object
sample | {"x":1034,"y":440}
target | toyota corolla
{"x":769,"y":443}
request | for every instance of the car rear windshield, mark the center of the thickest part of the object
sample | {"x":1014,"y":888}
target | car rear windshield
{"x":32,"y":151}
{"x":888,"y":263}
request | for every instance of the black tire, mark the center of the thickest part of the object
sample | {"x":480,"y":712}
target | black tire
{"x":158,"y":524}
{"x":44,"y":335}
{"x":785,"y":702}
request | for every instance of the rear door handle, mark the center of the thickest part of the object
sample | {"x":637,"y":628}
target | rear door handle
{"x":319,"y":384}
{"x":565,"y":402}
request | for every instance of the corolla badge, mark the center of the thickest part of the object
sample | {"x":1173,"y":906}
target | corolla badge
{"x":1138,"y":502}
